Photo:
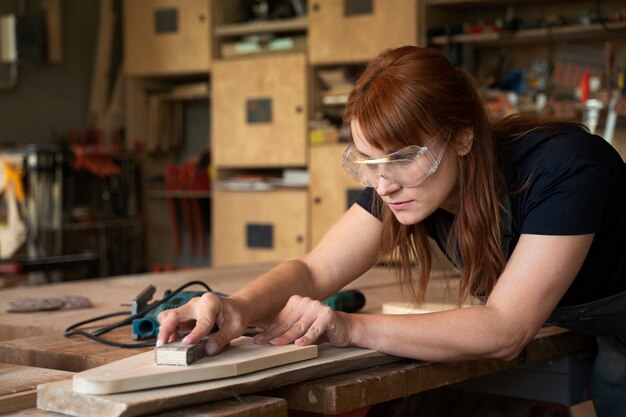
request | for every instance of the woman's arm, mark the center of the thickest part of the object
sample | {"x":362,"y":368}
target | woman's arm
{"x":348,"y":250}
{"x":536,"y":277}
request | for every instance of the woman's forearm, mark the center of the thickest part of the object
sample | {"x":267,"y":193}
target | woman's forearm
{"x":263,"y":298}
{"x":459,"y":334}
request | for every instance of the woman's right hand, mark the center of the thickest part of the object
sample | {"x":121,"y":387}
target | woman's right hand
{"x":198,"y":317}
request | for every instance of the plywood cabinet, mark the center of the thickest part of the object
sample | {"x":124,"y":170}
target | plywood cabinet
{"x":344,"y":31}
{"x":259,"y":116}
{"x":167,"y":37}
{"x":332,"y":192}
{"x":258,"y":227}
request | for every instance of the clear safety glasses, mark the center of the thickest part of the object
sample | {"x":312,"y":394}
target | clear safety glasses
{"x":408,"y":167}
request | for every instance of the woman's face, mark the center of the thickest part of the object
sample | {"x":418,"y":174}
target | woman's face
{"x":411,"y":205}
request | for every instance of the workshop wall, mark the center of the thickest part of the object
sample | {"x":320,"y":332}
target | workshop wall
{"x":52,"y":98}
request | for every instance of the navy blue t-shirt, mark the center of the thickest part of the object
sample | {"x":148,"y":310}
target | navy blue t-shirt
{"x":564,"y":181}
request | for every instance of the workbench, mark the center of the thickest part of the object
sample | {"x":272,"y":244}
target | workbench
{"x":31,"y":342}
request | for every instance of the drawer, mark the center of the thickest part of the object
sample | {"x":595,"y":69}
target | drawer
{"x":260,"y":114}
{"x":166,"y":37}
{"x":344,"y":31}
{"x":258,"y":227}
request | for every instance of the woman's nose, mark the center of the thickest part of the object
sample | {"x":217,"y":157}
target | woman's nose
{"x":385,"y":187}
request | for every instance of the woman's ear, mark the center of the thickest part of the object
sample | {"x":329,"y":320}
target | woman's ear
{"x":465,"y":139}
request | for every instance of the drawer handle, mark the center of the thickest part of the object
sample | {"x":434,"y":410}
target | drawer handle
{"x":299,"y":238}
{"x":317,"y":200}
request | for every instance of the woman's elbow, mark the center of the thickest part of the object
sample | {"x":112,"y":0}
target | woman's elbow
{"x":508,"y":346}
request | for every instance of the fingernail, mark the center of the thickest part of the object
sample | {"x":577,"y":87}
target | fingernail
{"x":259,"y":340}
{"x":159,"y":343}
{"x":185,"y":339}
{"x":211,"y":348}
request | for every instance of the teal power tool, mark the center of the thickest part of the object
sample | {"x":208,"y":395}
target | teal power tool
{"x":147,"y":327}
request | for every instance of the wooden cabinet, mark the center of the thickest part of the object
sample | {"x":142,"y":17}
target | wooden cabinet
{"x":257,"y":227}
{"x":259,"y":112}
{"x":332,"y":191}
{"x":343,"y":31}
{"x":166,"y":37}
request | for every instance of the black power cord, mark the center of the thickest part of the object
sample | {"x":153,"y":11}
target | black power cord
{"x":74,"y":330}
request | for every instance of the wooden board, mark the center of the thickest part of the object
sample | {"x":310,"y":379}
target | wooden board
{"x":248,"y":406}
{"x":18,"y":385}
{"x":74,"y":354}
{"x":141,"y":372}
{"x":60,"y":397}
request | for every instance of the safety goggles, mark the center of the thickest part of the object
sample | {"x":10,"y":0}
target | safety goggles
{"x":408,"y":167}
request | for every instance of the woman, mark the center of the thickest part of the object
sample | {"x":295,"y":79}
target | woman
{"x":530,"y":212}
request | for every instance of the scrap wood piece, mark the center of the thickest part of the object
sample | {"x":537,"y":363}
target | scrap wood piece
{"x":64,"y":302}
{"x":140,"y":372}
{"x":60,"y":396}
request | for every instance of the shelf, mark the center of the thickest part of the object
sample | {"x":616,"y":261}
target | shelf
{"x":540,"y":34}
{"x":178,"y":194}
{"x":102,"y":224}
{"x":298,"y":24}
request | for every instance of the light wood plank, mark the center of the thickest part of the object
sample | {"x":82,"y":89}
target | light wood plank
{"x":60,"y":397}
{"x":141,"y":372}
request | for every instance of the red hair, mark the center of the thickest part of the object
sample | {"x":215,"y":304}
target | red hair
{"x":410,"y":95}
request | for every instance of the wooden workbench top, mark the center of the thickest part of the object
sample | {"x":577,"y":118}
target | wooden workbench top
{"x":36,"y":339}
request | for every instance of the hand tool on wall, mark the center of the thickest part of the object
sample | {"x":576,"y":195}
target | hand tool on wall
{"x":186,"y":206}
{"x":617,"y":107}
{"x":171,"y":184}
{"x":194,"y":183}
{"x":13,"y":233}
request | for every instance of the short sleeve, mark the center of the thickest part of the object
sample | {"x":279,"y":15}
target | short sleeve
{"x":569,"y":189}
{"x":366,"y":200}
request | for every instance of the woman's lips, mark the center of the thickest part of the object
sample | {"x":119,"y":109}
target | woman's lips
{"x":401,"y":205}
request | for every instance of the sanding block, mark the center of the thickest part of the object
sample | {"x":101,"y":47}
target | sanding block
{"x":177,"y":353}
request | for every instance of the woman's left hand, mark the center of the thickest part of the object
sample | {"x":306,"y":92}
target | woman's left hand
{"x":305,"y":321}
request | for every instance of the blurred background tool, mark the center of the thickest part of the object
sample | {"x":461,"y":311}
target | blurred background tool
{"x":348,"y":301}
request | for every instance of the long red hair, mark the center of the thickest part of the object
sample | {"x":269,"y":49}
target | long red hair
{"x":410,"y":95}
